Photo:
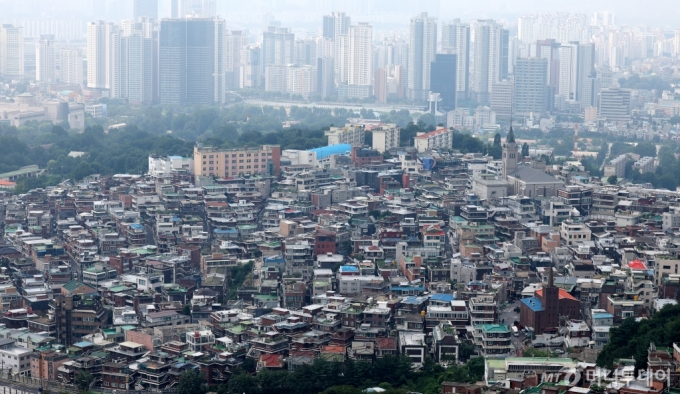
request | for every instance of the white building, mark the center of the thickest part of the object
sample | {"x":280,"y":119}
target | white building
{"x":385,"y":137}
{"x":167,"y":165}
{"x":349,"y":134}
{"x":423,"y":45}
{"x":11,"y":50}
{"x":456,"y":39}
{"x":487,"y":71}
{"x":70,"y":66}
{"x":97,"y":53}
{"x":44,"y":59}
{"x":351,"y":285}
{"x":573,"y":232}
{"x":441,"y":138}
{"x":644,"y":165}
{"x":360,"y":71}
{"x":16,"y":359}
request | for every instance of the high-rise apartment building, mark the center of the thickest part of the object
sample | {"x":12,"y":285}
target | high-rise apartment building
{"x":97,"y":53}
{"x":278,"y":47}
{"x":549,"y":50}
{"x":44,"y":59}
{"x":456,"y":40}
{"x":11,"y":50}
{"x":360,"y":60}
{"x":233,"y":46}
{"x":336,"y":38}
{"x":443,"y":80}
{"x":423,"y":48}
{"x":70,"y":66}
{"x":136,"y":67}
{"x":380,"y":85}
{"x":325,"y":82}
{"x":530,"y":90}
{"x":191,"y":60}
{"x":335,"y":24}
{"x":576,"y":66}
{"x":145,"y":8}
{"x":488,"y":59}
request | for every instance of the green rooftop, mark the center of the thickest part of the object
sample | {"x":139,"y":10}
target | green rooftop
{"x":497,"y":328}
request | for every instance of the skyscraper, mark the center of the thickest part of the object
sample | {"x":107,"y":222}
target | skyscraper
{"x":145,"y":8}
{"x":456,"y":40}
{"x":335,"y":24}
{"x":97,"y":39}
{"x":233,"y":44}
{"x":505,"y":53}
{"x":70,"y":66}
{"x":44,"y":59}
{"x":423,"y":48}
{"x":530,"y":90}
{"x":136,"y":67}
{"x":443,"y":80}
{"x":488,"y":58}
{"x":11,"y":50}
{"x":188,"y":49}
{"x":278,"y":47}
{"x":576,"y":66}
{"x":197,"y":8}
{"x":325,"y":70}
{"x":360,"y":60}
{"x":336,"y":34}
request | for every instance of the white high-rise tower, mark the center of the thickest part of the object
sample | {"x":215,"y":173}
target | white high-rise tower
{"x":360,"y":60}
{"x":97,"y":38}
{"x":487,"y":59}
{"x":456,"y":40}
{"x":44,"y":59}
{"x":11,"y":50}
{"x":423,"y":46}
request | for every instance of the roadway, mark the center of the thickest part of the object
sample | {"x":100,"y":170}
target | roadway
{"x":355,"y":107}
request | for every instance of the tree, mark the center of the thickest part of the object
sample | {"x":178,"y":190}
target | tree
{"x":186,"y":310}
{"x":83,"y":380}
{"x":497,"y":139}
{"x":525,"y":150}
{"x":674,"y":120}
{"x":190,"y":382}
{"x":613,"y":180}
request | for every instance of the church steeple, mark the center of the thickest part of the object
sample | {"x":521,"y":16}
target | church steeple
{"x":511,"y":136}
{"x":510,"y":155}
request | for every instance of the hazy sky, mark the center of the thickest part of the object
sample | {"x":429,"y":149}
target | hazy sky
{"x":305,"y":13}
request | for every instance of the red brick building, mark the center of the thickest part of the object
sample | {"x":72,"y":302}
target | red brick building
{"x":544,"y":309}
{"x":361,"y":157}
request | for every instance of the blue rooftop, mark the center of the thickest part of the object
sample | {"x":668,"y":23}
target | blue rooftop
{"x":83,"y":344}
{"x":275,"y":259}
{"x":137,"y":226}
{"x":227,"y":231}
{"x":443,"y":297}
{"x":326,"y":151}
{"x":533,"y":303}
{"x":413,"y":300}
{"x":602,"y":316}
{"x":349,"y":268}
